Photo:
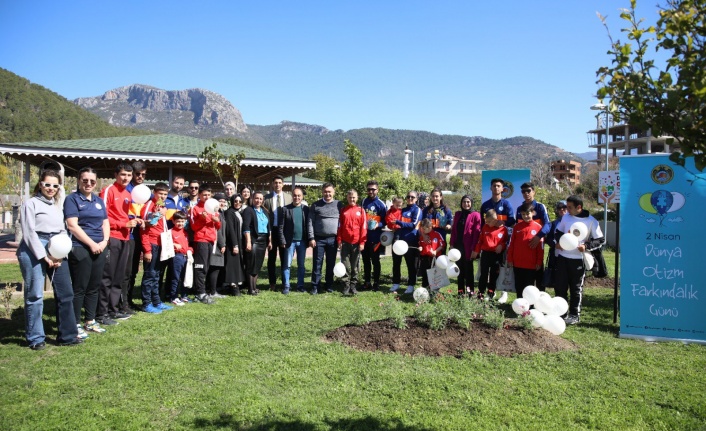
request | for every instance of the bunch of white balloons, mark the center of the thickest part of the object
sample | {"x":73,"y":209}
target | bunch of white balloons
{"x":449,"y":263}
{"x":547,"y":311}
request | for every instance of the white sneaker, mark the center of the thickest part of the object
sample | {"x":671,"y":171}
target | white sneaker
{"x":409,"y":291}
{"x":394,"y":287}
{"x":503,"y":298}
{"x":82,"y":334}
{"x":177,"y":302}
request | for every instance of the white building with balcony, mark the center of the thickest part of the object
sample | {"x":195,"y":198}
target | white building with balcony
{"x":443,"y":167}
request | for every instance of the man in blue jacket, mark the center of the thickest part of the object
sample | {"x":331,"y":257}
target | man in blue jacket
{"x":375,"y":212}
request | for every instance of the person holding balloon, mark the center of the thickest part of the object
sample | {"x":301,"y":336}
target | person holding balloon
{"x":524,"y":258}
{"x":42,"y":253}
{"x":431,"y":245}
{"x":406,"y":243}
{"x":576,"y":233}
{"x":87,"y":220}
{"x":465,"y":233}
{"x":205,"y":222}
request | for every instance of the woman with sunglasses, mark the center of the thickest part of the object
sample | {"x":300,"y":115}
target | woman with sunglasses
{"x":234,"y":245}
{"x":87,"y":220}
{"x":407,"y":232}
{"x":41,"y":219}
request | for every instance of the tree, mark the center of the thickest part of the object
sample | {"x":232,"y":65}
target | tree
{"x":211,"y":157}
{"x":670,"y":100}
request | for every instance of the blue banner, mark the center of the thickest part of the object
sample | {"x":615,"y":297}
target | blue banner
{"x":513,"y":180}
{"x":662,"y":270}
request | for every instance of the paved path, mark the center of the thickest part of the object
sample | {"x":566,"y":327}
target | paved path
{"x":7,"y":251}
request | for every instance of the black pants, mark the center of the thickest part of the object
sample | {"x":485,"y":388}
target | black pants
{"x":466,"y":279}
{"x":523,"y":277}
{"x":272,"y":259}
{"x":134,"y":258}
{"x":569,"y":279}
{"x":411,"y":258}
{"x":489,"y":270}
{"x":86,"y":271}
{"x":202,"y":255}
{"x":113,"y":276}
{"x":424,"y":264}
{"x":371,"y":260}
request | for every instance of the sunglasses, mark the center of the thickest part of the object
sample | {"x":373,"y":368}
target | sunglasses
{"x":140,"y":174}
{"x":89,"y":182}
{"x":526,"y":190}
{"x":411,"y":197}
{"x":193,"y":188}
{"x":237,"y":202}
{"x":372,"y":190}
{"x":50,"y":185}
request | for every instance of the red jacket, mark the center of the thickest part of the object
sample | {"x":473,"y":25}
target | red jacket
{"x":117,"y":203}
{"x":152,"y":232}
{"x":393,"y":214}
{"x":205,"y":227}
{"x":179,"y":237}
{"x":431,"y":242}
{"x":520,"y":254}
{"x":491,"y":237}
{"x":352,"y":225}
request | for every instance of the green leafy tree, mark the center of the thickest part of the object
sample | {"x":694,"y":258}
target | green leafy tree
{"x":211,"y":157}
{"x":669,"y":100}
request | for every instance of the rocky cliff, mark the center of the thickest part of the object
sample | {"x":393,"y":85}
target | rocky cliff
{"x":193,"y":112}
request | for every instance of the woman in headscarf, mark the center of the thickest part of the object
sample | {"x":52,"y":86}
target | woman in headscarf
{"x":234,"y":245}
{"x":465,"y":232}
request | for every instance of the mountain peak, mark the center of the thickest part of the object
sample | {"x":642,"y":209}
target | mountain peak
{"x":193,"y":112}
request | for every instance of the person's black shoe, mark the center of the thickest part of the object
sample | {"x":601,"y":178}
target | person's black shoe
{"x":38,"y":346}
{"x":204,"y":299}
{"x":106,"y":321}
{"x":376,"y":287}
{"x":73,"y":342}
{"x":120,"y":316}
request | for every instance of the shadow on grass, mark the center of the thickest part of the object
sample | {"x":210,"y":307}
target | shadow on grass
{"x":227,"y":421}
{"x":12,"y":331}
{"x":600,"y":310}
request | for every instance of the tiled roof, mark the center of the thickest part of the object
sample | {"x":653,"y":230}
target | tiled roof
{"x":153,"y":146}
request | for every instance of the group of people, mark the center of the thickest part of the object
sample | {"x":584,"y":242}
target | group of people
{"x":185,"y":245}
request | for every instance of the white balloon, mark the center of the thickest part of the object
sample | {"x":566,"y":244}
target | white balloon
{"x":59,"y":246}
{"x":339,"y":269}
{"x":211,"y":206}
{"x":568,"y":242}
{"x":400,"y":247}
{"x":560,"y":305}
{"x":420,"y":295}
{"x":538,"y":318}
{"x":386,"y":238}
{"x":555,"y":325}
{"x":454,"y":255}
{"x":140,"y":194}
{"x":453,"y":271}
{"x":520,"y":306}
{"x":531,"y":294}
{"x":580,"y":230}
{"x":442,"y":262}
{"x":544,"y":303}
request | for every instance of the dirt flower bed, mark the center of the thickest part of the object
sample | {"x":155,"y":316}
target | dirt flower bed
{"x":454,"y":340}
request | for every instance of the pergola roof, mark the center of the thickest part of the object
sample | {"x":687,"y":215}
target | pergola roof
{"x":165,"y":155}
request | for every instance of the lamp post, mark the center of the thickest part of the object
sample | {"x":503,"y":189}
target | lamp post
{"x":601,"y":107}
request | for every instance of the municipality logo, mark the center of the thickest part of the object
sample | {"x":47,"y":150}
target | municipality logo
{"x":662,"y":174}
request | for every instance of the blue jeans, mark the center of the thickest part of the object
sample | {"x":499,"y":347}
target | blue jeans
{"x":325,"y":246}
{"x":150,"y":278}
{"x":177,"y":266}
{"x":33,"y":273}
{"x":300,"y":248}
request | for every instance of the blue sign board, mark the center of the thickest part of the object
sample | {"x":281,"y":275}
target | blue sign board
{"x":662,"y":269}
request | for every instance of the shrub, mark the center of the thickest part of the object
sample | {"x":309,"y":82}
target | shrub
{"x":395,"y":311}
{"x":494,"y":317}
{"x":361,"y":315}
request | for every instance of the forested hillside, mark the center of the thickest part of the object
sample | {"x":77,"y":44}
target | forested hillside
{"x":30,"y":112}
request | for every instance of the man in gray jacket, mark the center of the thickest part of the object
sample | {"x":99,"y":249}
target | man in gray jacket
{"x":323,"y":219}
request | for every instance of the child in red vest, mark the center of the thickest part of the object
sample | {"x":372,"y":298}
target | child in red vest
{"x":394,"y":213}
{"x":177,"y":265}
{"x":154,"y":214}
{"x":525,"y":260}
{"x":431,"y":244}
{"x":493,"y":240}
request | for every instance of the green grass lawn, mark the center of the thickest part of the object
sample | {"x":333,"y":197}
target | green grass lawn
{"x":259,"y":363}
